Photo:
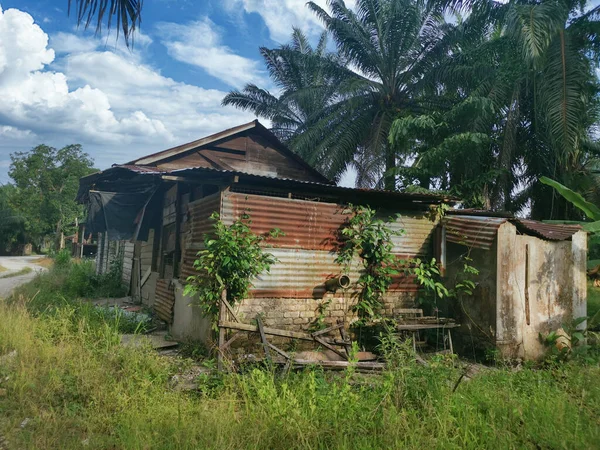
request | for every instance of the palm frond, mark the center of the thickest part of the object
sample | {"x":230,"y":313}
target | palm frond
{"x":127,"y":14}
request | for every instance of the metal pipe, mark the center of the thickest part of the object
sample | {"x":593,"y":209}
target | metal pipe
{"x":333,"y":284}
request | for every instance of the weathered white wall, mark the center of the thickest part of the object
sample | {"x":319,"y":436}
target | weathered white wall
{"x":541,"y":286}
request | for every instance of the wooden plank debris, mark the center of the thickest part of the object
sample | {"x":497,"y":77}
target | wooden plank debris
{"x":277,"y":332}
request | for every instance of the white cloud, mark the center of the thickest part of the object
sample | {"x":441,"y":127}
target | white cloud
{"x":199,"y":43}
{"x":66,"y":43}
{"x":109,"y":101}
{"x":281,"y":15}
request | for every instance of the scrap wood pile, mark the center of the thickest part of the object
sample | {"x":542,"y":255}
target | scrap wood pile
{"x":339,"y":346}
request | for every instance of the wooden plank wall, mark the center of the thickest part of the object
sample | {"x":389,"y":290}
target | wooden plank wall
{"x":127,"y":262}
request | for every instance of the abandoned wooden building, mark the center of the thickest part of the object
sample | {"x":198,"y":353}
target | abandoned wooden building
{"x":151,"y":215}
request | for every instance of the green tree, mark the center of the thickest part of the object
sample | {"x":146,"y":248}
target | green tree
{"x":390,"y":48}
{"x":529,"y":72}
{"x":46,"y":182}
{"x":304,"y":78}
{"x":12,"y":230}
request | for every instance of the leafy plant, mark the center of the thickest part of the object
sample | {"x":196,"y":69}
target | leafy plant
{"x":232,"y":257}
{"x":370,"y":238}
{"x":589,"y":209}
{"x":568,"y":341}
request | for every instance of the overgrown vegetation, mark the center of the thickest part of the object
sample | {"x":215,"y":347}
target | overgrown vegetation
{"x":68,"y":281}
{"x":370,"y":238}
{"x":70,"y":384}
{"x":232,"y":257}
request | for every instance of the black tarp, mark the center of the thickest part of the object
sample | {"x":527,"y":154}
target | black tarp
{"x":120,"y":214}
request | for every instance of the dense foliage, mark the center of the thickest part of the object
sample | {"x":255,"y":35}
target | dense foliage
{"x":12,"y":229}
{"x":46,"y":181}
{"x":480,"y":99}
{"x":368,"y":237}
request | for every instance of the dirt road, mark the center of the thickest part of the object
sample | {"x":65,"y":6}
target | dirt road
{"x":15,"y":264}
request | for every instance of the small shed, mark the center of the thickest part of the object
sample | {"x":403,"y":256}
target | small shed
{"x":532,"y":280}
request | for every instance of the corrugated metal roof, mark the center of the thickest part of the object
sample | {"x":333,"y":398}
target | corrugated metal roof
{"x":480,"y":232}
{"x":548,"y":231}
{"x":194,"y":171}
{"x":473,"y":231}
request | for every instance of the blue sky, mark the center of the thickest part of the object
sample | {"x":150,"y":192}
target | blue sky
{"x":61,"y":85}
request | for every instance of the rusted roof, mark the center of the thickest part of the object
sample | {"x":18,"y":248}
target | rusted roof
{"x":480,"y":232}
{"x":290,"y":182}
{"x":473,"y":231}
{"x":548,"y":231}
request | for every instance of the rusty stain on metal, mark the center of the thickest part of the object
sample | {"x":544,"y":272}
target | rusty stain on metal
{"x":480,"y":231}
{"x":164,"y":300}
{"x":473,"y":231}
{"x":306,"y":254}
{"x":548,"y":231}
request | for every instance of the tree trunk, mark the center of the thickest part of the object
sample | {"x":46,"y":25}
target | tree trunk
{"x":389,"y":180}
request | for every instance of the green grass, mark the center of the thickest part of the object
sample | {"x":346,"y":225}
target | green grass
{"x":3,"y":269}
{"x":593,"y":305}
{"x":76,"y":384}
{"x":23,"y":271}
{"x":80,"y":389}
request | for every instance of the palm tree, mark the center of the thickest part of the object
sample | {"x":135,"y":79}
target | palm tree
{"x":127,"y":13}
{"x":303,"y":78}
{"x":531,"y":69}
{"x":390,"y":49}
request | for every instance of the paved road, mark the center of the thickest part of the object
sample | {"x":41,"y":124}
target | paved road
{"x":14,"y":264}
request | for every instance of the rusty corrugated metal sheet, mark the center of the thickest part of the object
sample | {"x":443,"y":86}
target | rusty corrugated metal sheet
{"x":301,"y":273}
{"x":200,"y":225}
{"x":306,"y":254}
{"x":307,"y":225}
{"x":550,"y":232}
{"x":473,"y":231}
{"x":480,"y":231}
{"x":315,"y":225}
{"x":164,"y":300}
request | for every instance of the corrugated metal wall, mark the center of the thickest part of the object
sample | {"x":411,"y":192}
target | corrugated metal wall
{"x":199,"y":225}
{"x":306,"y":253}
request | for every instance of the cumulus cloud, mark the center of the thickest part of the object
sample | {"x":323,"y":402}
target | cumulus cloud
{"x":281,"y":15}
{"x":199,"y":43}
{"x":106,"y":99}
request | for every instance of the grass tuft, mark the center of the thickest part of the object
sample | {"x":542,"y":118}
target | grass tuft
{"x":23,"y":271}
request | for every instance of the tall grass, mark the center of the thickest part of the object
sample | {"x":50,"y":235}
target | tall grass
{"x":79,"y":387}
{"x":593,"y":306}
{"x":63,"y":368}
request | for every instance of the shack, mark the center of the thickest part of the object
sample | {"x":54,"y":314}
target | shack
{"x":151,"y":215}
{"x":532,"y":280}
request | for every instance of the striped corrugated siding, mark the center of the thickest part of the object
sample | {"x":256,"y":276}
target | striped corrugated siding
{"x":307,"y":251}
{"x":164,"y":300}
{"x":200,"y":225}
{"x":473,"y":231}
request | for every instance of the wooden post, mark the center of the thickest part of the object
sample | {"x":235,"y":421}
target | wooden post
{"x":222,"y":330}
{"x":263,"y":337}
